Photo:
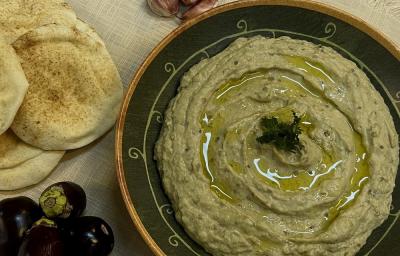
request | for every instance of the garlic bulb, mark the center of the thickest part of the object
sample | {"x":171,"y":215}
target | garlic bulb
{"x":200,"y":7}
{"x":189,"y":2}
{"x":164,"y":8}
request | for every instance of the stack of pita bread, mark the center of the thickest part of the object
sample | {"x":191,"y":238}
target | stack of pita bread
{"x":59,"y":88}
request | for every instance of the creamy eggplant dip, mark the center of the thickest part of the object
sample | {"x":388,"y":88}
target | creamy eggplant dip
{"x":235,"y":195}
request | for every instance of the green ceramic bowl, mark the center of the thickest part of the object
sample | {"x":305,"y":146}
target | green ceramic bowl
{"x":156,"y":82}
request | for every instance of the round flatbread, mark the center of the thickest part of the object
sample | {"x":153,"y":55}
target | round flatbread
{"x":22,"y":165}
{"x":13,"y":85}
{"x":85,"y":28}
{"x":75,"y":90}
{"x":20,"y":16}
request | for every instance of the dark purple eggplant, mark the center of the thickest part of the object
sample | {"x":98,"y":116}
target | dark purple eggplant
{"x":16,"y":216}
{"x":43,"y":239}
{"x":89,"y":236}
{"x":63,"y":200}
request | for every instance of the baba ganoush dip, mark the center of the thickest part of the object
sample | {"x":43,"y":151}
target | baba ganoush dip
{"x":237,"y":196}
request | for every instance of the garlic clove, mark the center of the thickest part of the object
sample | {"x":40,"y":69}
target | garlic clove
{"x":164,"y":8}
{"x":200,"y":7}
{"x":189,"y":2}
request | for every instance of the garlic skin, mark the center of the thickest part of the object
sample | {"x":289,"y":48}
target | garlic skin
{"x":200,"y":7}
{"x":164,"y":8}
{"x":189,"y":2}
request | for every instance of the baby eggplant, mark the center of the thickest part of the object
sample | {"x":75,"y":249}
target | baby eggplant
{"x":16,"y":216}
{"x":43,"y":239}
{"x":63,"y":200}
{"x":89,"y":236}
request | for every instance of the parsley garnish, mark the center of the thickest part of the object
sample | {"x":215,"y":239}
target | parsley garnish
{"x":284,"y":136}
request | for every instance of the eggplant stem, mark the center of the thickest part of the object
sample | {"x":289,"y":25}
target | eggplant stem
{"x":50,"y":202}
{"x":53,"y":202}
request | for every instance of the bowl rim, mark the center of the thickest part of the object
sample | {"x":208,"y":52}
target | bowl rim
{"x":327,"y":9}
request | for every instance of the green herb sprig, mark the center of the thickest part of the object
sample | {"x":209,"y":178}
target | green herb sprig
{"x":284,"y":136}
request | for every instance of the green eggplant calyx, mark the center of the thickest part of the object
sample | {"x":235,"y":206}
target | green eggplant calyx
{"x":54,"y":202}
{"x":44,"y":222}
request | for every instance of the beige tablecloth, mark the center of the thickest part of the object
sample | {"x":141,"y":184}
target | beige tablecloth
{"x":130,"y":31}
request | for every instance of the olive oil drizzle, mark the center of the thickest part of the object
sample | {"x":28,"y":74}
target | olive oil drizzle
{"x":222,"y":94}
{"x":209,"y":136}
{"x":304,"y":180}
{"x":358,"y":180}
{"x":315,"y":69}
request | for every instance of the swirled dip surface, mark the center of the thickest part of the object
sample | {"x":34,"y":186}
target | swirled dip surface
{"x":236,"y":196}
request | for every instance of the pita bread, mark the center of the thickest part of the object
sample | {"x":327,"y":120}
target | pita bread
{"x":74,"y":91}
{"x":85,"y":28}
{"x":20,"y":16}
{"x":22,"y":165}
{"x":13,"y":85}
